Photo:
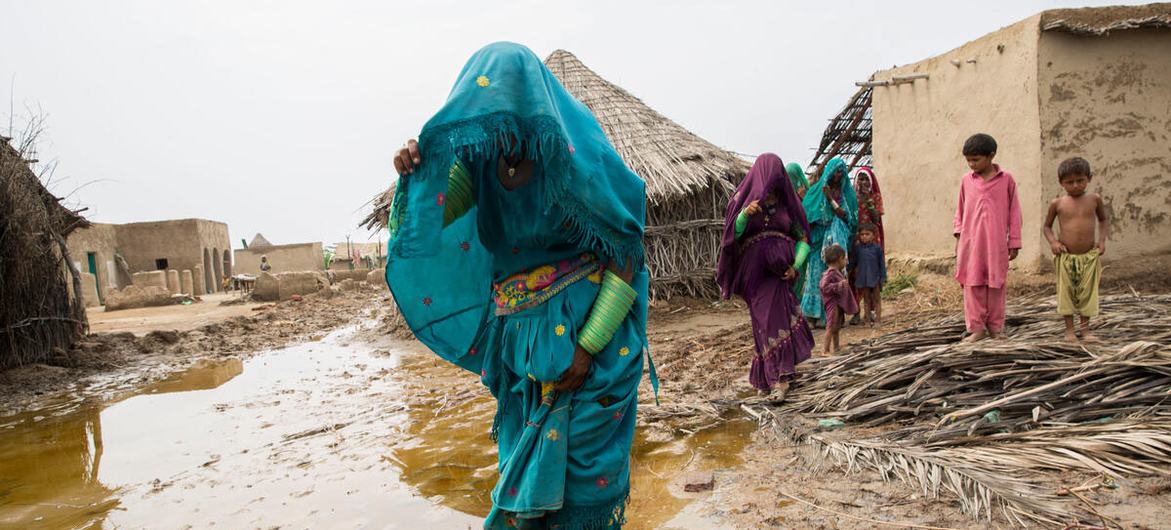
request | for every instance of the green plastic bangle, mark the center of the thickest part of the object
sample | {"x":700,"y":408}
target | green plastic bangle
{"x":741,"y":223}
{"x":614,"y":301}
{"x":802,"y":254}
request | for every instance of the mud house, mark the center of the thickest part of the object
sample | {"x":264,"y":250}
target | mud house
{"x":114,"y":252}
{"x":1092,"y":82}
{"x":283,"y":258}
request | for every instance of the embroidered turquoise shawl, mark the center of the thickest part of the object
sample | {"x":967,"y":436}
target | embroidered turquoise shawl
{"x":564,"y":457}
{"x":504,"y":90}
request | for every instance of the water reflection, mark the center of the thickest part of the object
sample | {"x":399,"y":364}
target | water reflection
{"x":50,"y":459}
{"x":451,"y":461}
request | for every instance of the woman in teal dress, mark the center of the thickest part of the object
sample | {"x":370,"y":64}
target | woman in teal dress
{"x":516,"y":254}
{"x":832,"y":210}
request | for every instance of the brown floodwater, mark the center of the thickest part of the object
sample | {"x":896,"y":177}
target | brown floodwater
{"x":316,"y":435}
{"x":452,"y":461}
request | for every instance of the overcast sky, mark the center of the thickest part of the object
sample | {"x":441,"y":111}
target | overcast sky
{"x":280,"y":117}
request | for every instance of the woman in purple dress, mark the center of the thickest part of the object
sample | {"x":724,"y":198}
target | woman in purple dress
{"x":762,"y":255}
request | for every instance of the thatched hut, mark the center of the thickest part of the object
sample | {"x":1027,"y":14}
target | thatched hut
{"x":688,"y":180}
{"x":42,"y":311}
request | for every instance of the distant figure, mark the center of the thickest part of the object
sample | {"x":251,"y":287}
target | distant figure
{"x":1076,"y":254}
{"x":264,"y":265}
{"x":987,"y":228}
{"x":836,"y":295}
{"x":868,"y":272}
{"x":869,"y":211}
{"x":797,"y":179}
{"x":870,"y":203}
{"x":762,"y":259}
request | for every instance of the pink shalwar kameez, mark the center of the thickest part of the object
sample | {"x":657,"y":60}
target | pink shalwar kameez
{"x":988,"y":223}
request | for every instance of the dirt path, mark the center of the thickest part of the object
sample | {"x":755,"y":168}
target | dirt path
{"x":213,"y":308}
{"x":308,"y":414}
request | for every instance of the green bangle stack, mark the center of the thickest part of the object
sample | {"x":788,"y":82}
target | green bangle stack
{"x":741,"y":223}
{"x":460,"y":197}
{"x":610,"y":308}
{"x":802,"y":253}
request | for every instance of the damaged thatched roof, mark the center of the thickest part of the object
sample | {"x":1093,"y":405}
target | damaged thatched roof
{"x":849,"y":135}
{"x":1098,"y":21}
{"x":14,"y":165}
{"x":673,"y":161}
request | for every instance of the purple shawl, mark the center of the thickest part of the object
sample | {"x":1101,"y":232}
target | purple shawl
{"x":767,"y":174}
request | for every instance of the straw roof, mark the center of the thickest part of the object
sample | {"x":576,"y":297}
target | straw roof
{"x":259,"y":241}
{"x":1098,"y":21}
{"x":64,"y":219}
{"x":673,"y":161}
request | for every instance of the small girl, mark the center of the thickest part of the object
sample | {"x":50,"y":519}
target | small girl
{"x":836,"y":296}
{"x":868,"y":271}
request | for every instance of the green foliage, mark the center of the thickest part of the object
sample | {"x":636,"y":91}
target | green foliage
{"x":899,"y":282}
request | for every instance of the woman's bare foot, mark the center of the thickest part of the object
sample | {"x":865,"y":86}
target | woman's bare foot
{"x":1070,"y":336}
{"x":976,"y":336}
{"x":1089,"y":337}
{"x":995,"y":335}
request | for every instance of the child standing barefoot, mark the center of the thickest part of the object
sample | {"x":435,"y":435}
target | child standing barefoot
{"x":868,"y":271}
{"x":1075,"y":252}
{"x":836,"y":296}
{"x":988,"y":235}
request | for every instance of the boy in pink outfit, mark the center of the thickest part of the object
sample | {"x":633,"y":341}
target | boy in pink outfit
{"x":988,"y":235}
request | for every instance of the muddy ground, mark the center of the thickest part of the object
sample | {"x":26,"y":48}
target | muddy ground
{"x":385,"y":420}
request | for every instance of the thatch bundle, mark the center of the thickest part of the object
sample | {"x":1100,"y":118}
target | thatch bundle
{"x":41,"y":308}
{"x":978,"y":421}
{"x":688,"y":180}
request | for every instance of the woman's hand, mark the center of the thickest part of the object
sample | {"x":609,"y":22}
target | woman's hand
{"x":789,"y":274}
{"x":407,"y":158}
{"x":576,"y":374}
{"x":840,"y":212}
{"x":1012,"y":253}
{"x":753,"y":208}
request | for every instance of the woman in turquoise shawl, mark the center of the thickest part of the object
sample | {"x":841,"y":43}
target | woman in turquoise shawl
{"x":514,"y":225}
{"x":797,"y":179}
{"x":832,"y":210}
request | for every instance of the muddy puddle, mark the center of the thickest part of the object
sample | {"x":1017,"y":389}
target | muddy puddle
{"x":317,"y":435}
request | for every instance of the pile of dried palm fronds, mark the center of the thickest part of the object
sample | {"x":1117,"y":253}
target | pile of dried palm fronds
{"x":977,"y":421}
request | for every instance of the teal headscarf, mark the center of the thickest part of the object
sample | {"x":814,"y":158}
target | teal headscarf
{"x":504,"y":91}
{"x":796,"y":177}
{"x":817,"y":206}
